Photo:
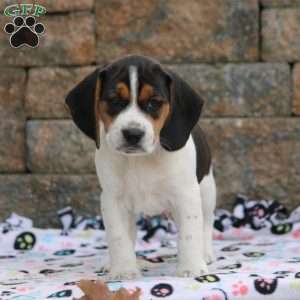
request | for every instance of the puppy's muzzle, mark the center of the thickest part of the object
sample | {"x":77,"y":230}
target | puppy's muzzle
{"x":133,"y":136}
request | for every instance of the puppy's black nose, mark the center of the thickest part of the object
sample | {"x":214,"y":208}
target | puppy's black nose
{"x":133,"y":135}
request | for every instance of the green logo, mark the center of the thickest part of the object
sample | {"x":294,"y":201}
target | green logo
{"x":24,"y":10}
{"x":24,"y":29}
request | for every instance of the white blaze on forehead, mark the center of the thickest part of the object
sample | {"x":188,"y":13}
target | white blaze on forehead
{"x":133,"y":79}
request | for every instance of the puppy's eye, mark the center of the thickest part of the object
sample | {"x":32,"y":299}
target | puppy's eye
{"x":115,"y":105}
{"x":152,"y":106}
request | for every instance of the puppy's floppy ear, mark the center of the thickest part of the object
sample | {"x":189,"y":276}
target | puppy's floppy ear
{"x":83,"y":101}
{"x":186,"y":106}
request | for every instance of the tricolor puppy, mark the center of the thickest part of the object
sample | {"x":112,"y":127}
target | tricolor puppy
{"x":151,"y":157}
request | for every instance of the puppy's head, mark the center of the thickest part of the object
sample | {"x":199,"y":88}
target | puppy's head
{"x":138,"y":104}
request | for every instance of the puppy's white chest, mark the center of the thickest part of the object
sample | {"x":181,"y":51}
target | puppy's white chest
{"x":143,"y":191}
{"x":149,"y":184}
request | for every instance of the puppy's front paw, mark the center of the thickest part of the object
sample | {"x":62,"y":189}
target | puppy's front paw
{"x":123,"y":274}
{"x":191,"y":270}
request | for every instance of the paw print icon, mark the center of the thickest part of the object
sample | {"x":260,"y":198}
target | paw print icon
{"x":24,"y":31}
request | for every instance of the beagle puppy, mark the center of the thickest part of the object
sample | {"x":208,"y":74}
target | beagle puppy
{"x":151,"y":157}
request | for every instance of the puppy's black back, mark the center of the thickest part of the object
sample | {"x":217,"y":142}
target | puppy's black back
{"x":203,"y":154}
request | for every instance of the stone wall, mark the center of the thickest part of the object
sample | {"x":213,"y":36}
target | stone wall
{"x":241,"y":55}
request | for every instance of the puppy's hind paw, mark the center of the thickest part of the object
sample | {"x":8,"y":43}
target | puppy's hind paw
{"x":191,"y":271}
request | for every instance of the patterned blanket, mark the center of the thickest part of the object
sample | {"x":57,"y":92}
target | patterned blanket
{"x":257,"y":247}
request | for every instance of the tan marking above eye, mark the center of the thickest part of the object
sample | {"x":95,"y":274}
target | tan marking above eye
{"x":123,"y":90}
{"x":147,"y":91}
